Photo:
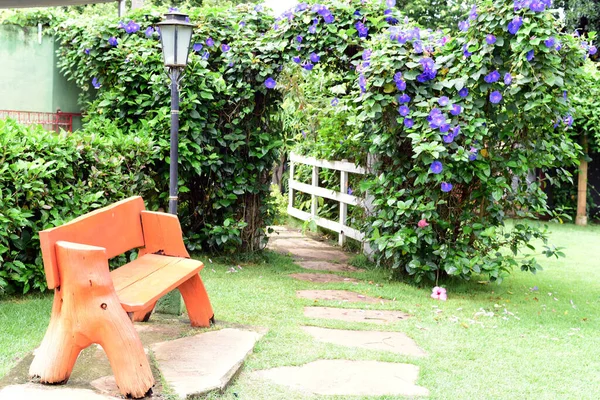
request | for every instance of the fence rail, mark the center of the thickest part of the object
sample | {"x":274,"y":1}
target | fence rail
{"x":315,"y":191}
{"x":49,"y":121}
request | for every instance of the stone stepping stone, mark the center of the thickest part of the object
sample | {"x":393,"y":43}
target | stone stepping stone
{"x":323,"y":278}
{"x":338,"y":295}
{"x":395,"y":342}
{"x":200,"y":364}
{"x":349,"y":378}
{"x":355,"y":315}
{"x":327,"y":266}
{"x":39,"y":392}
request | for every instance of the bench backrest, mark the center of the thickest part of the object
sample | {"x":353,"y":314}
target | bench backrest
{"x":117,"y":228}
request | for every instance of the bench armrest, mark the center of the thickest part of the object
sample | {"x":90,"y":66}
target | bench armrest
{"x":162,"y":233}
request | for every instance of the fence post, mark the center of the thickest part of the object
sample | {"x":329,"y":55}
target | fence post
{"x":315,"y":183}
{"x":291,"y":191}
{"x":343,"y":206}
{"x":369,"y":208}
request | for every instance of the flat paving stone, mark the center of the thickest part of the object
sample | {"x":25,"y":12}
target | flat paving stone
{"x":355,"y":315}
{"x":327,"y":266}
{"x":338,"y":295}
{"x":323,"y":278}
{"x":349,"y":378}
{"x":38,"y":392}
{"x":203,"y":363}
{"x":395,"y":342}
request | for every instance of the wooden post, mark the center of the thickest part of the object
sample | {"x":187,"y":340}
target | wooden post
{"x":315,"y":183}
{"x":581,"y":218}
{"x":86,"y":310}
{"x":369,"y":208}
{"x":343,"y":206}
{"x":291,"y":191}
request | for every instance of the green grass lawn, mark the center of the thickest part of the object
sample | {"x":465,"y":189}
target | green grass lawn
{"x":534,"y":336}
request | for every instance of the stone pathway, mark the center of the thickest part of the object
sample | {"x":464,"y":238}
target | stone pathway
{"x":343,"y":377}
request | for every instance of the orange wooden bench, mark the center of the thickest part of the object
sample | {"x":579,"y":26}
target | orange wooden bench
{"x":93,"y":305}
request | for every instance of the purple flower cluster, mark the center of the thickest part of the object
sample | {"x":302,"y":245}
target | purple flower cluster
{"x":437,"y":120}
{"x":400,"y":83}
{"x":429,"y":71}
{"x":492,"y":77}
{"x":515,"y":25}
{"x":533,"y":5}
{"x":132,"y":27}
{"x":323,"y":12}
{"x":389,"y":18}
{"x":363,"y":31}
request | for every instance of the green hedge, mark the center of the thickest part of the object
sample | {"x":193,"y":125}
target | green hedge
{"x":47,"y":179}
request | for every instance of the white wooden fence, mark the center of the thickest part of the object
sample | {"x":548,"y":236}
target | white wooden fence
{"x":315,"y":191}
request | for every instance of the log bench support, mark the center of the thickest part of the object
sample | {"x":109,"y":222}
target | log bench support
{"x":92,"y":305}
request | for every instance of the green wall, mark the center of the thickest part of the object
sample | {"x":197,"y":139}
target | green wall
{"x":29,"y":78}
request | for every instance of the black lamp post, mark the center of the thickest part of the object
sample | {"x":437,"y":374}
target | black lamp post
{"x":175,"y":36}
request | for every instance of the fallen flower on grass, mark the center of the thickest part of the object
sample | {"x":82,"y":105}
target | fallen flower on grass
{"x":439,"y":293}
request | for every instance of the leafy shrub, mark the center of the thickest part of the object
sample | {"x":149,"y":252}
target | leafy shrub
{"x":445,"y":181}
{"x":228,"y":141}
{"x":47,"y":179}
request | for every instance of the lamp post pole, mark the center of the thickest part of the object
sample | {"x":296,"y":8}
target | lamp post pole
{"x":175,"y":73}
{"x":175,"y":35}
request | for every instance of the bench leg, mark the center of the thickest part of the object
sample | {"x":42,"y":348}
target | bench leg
{"x":87,"y":310}
{"x":143,"y":315}
{"x":197,"y":302}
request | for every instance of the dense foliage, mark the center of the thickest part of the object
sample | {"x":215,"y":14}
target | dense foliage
{"x":48,"y":179}
{"x":228,"y":143}
{"x":457,"y":122}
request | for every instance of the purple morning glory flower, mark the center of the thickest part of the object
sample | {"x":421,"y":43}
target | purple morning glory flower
{"x":550,"y":42}
{"x":593,"y":50}
{"x":95,"y":83}
{"x":456,"y":109}
{"x":312,"y":29}
{"x":296,"y":59}
{"x":210,"y":42}
{"x":492,"y":77}
{"x":390,"y":3}
{"x":225,"y":48}
{"x":132,"y":27}
{"x":446,"y":187}
{"x":113,"y":41}
{"x":258,"y":8}
{"x":242,"y":24}
{"x":87,"y":51}
{"x":449,"y":138}
{"x":308,"y":66}
{"x":121,"y":25}
{"x":314,"y":57}
{"x":515,"y":25}
{"x":568,"y":120}
{"x":404,"y":98}
{"x":335,"y":101}
{"x":362,"y":83}
{"x":473,"y":12}
{"x":350,"y":191}
{"x":507,"y":78}
{"x":363,"y":31}
{"x":443,"y":101}
{"x":436,"y":119}
{"x":537,"y":6}
{"x":205,"y":55}
{"x":444,"y":128}
{"x":197,"y":47}
{"x":466,"y":51}
{"x":464,"y":92}
{"x":408,"y":122}
{"x":464,"y":25}
{"x":473,"y":155}
{"x":564,"y":94}
{"x":436,"y":167}
{"x":490,"y":39}
{"x":403,"y":110}
{"x":456,"y":131}
{"x":149,"y":31}
{"x":418,"y":46}
{"x":401,"y":85}
{"x":328,"y":18}
{"x":390,"y":20}
{"x":173,"y":9}
{"x":299,"y":39}
{"x":495,"y":97}
{"x":530,"y":55}
{"x":270,"y":83}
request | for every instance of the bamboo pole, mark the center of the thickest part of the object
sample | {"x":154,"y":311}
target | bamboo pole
{"x":581,"y":218}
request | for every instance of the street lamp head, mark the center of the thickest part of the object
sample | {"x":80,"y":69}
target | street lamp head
{"x":175,"y":36}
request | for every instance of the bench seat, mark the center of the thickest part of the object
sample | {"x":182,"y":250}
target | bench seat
{"x":145,"y":280}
